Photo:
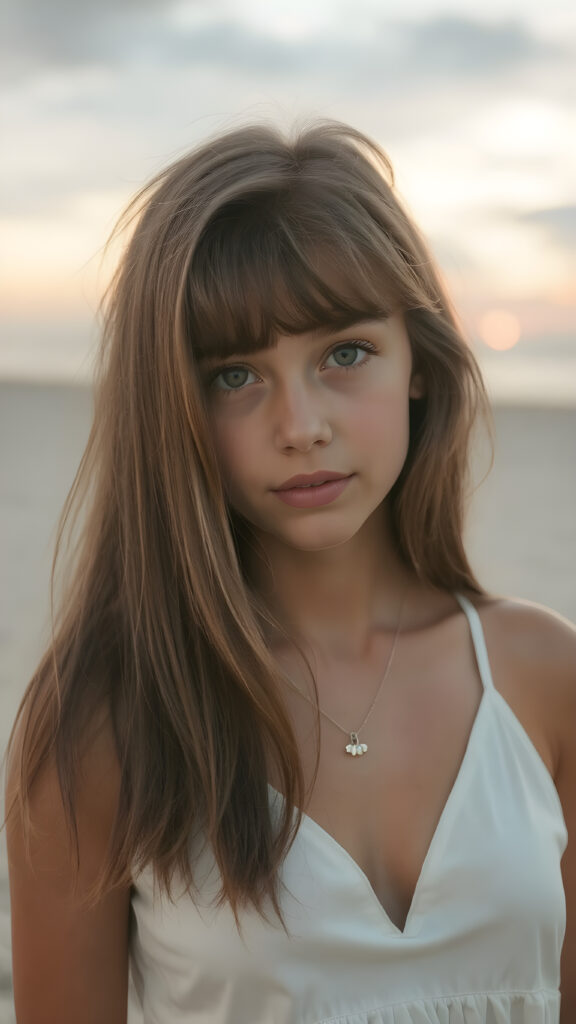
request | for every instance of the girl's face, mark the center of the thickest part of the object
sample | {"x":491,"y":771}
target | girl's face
{"x":320,"y":404}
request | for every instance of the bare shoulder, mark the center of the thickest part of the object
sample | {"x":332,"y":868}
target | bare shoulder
{"x":532,"y":651}
{"x":98,"y":781}
{"x":525,"y":631}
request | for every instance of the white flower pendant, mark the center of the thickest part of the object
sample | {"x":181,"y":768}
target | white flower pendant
{"x":355,"y":748}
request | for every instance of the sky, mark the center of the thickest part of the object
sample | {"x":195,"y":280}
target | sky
{"x":475,"y":107}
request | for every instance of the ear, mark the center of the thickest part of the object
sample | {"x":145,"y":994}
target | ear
{"x":417,"y":386}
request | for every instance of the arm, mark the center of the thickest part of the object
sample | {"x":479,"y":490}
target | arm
{"x":566,"y":784}
{"x":70,"y":961}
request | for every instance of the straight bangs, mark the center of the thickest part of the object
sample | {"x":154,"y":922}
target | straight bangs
{"x":258,"y":272}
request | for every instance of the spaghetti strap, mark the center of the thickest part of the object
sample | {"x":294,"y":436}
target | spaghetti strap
{"x":478,"y":641}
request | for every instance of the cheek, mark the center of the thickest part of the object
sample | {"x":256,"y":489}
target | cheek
{"x":231,"y":441}
{"x":384,"y":423}
{"x":225,"y":449}
{"x":237,"y":457}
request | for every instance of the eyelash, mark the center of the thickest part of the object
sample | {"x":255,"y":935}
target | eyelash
{"x":359,"y":345}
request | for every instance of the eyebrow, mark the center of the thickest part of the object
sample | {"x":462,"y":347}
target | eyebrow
{"x":346,"y":323}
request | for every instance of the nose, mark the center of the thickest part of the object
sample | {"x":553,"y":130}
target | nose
{"x":301,"y":419}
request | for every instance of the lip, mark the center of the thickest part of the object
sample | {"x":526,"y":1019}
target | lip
{"x":303,"y":479}
{"x":327,"y":488}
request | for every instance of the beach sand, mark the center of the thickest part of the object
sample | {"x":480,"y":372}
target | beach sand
{"x":521,"y":536}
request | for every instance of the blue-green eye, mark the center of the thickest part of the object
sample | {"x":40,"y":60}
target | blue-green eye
{"x":233,"y":378}
{"x":346,"y":356}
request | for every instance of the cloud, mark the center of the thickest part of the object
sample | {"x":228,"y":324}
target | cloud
{"x":122,"y":83}
{"x":70,"y":34}
{"x":454,"y":44}
{"x":65,"y":33}
{"x":559,"y":220}
{"x":443,"y":45}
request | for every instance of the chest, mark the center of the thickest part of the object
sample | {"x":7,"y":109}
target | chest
{"x":384,"y":807}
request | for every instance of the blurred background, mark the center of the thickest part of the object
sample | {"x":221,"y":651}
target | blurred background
{"x":477,"y":110}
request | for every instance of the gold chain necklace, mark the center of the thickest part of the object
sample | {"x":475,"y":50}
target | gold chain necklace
{"x":354,"y":747}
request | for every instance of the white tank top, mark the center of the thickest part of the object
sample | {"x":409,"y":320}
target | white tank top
{"x":481,"y":943}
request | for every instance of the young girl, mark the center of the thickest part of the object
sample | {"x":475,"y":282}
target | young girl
{"x":284,"y":754}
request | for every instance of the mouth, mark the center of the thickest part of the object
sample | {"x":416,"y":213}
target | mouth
{"x":303,"y":481}
{"x":314,"y":491}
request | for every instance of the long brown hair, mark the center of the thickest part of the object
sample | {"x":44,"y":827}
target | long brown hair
{"x":249,"y":235}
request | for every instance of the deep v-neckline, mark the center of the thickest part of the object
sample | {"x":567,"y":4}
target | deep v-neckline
{"x":447,"y":815}
{"x":441,"y":830}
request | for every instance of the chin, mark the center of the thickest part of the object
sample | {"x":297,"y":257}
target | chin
{"x":318,"y":538}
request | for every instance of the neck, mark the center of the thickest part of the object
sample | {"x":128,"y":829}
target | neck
{"x":333,"y":600}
